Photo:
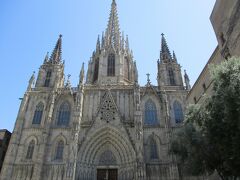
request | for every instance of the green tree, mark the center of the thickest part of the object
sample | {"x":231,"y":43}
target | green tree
{"x":210,"y":138}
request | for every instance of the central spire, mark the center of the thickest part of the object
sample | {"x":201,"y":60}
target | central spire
{"x":113,"y":30}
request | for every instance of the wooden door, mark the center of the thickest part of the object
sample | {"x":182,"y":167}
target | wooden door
{"x":107,"y":174}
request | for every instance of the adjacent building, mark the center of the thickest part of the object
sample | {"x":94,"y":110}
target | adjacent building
{"x":225,"y":19}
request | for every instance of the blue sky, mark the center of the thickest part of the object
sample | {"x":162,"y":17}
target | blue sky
{"x":29,"y":29}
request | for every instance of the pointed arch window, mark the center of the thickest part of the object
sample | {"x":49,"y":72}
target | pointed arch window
{"x":150,"y":113}
{"x":171,"y":77}
{"x":178,"y":113}
{"x":111,"y":65}
{"x":59,"y":150}
{"x":38,"y":114}
{"x":95,"y":75}
{"x":126,"y":68}
{"x":48,"y":78}
{"x":153,"y":149}
{"x":30,"y":150}
{"x":63,"y":117}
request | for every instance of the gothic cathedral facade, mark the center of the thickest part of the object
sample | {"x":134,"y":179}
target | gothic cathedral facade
{"x":108,"y":127}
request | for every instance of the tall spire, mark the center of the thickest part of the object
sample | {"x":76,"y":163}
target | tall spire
{"x":174,"y":57}
{"x":98,"y":45}
{"x":113,"y":30}
{"x":127,"y":44}
{"x":165,"y":53}
{"x":56,"y":56}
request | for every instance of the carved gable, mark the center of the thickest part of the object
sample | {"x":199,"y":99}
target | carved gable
{"x":108,"y":109}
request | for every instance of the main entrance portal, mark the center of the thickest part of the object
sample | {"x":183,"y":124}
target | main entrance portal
{"x":107,"y":174}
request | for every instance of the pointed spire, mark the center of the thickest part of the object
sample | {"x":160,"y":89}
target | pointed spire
{"x":174,"y":57}
{"x":187,"y":80}
{"x":56,"y":56}
{"x":165,"y":53}
{"x":103,"y":40}
{"x":46,"y":58}
{"x":98,"y":46}
{"x":31,"y":81}
{"x":113,"y":30}
{"x":81,"y":77}
{"x":127,"y":44}
{"x":122,"y":41}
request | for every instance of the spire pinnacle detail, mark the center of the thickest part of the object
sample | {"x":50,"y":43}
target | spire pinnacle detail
{"x":174,"y":57}
{"x":113,"y":30}
{"x":165,"y":53}
{"x":56,"y":56}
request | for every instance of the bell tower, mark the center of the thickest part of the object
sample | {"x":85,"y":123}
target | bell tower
{"x":169,"y":71}
{"x":51,"y":72}
{"x":112,"y":61}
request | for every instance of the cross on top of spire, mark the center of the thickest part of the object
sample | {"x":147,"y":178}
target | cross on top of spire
{"x":148,"y":78}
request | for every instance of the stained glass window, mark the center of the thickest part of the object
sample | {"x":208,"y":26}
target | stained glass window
{"x":38,"y":114}
{"x":95,"y":75}
{"x":59,"y":150}
{"x":178,"y":113}
{"x":171,"y":77}
{"x":153,"y":149}
{"x":48,"y":78}
{"x":63,"y":114}
{"x":150,"y":113}
{"x":111,"y":65}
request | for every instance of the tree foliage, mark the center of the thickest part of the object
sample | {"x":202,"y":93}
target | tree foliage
{"x":210,"y":138}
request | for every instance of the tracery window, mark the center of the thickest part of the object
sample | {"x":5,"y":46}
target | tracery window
{"x":59,"y":150}
{"x":48,"y":78}
{"x":111,"y":65}
{"x":63,"y":117}
{"x":38,"y":114}
{"x":171,"y":77}
{"x":95,"y":75}
{"x":153,"y":149}
{"x":150,"y":113}
{"x":126,"y":68}
{"x":30,"y":150}
{"x":178,"y":113}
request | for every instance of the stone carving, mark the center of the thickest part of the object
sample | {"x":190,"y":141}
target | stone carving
{"x":108,"y":108}
{"x":107,"y":158}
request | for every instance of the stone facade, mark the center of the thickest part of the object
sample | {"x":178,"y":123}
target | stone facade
{"x":5,"y":136}
{"x":106,"y":128}
{"x":225,"y":19}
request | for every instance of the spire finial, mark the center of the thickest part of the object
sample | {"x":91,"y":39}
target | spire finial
{"x":174,"y":57}
{"x":56,"y":56}
{"x":81,"y":78}
{"x":46,"y":58}
{"x":31,"y":81}
{"x":127,"y":44}
{"x":98,"y":45}
{"x":148,"y":78}
{"x":187,"y":80}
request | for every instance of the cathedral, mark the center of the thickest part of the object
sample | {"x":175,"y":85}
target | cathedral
{"x":108,"y":127}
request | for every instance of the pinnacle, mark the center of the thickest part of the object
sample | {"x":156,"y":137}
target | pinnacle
{"x":56,"y":56}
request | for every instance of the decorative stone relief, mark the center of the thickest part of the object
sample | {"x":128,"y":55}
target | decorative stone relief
{"x":108,"y":108}
{"x":107,"y":158}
